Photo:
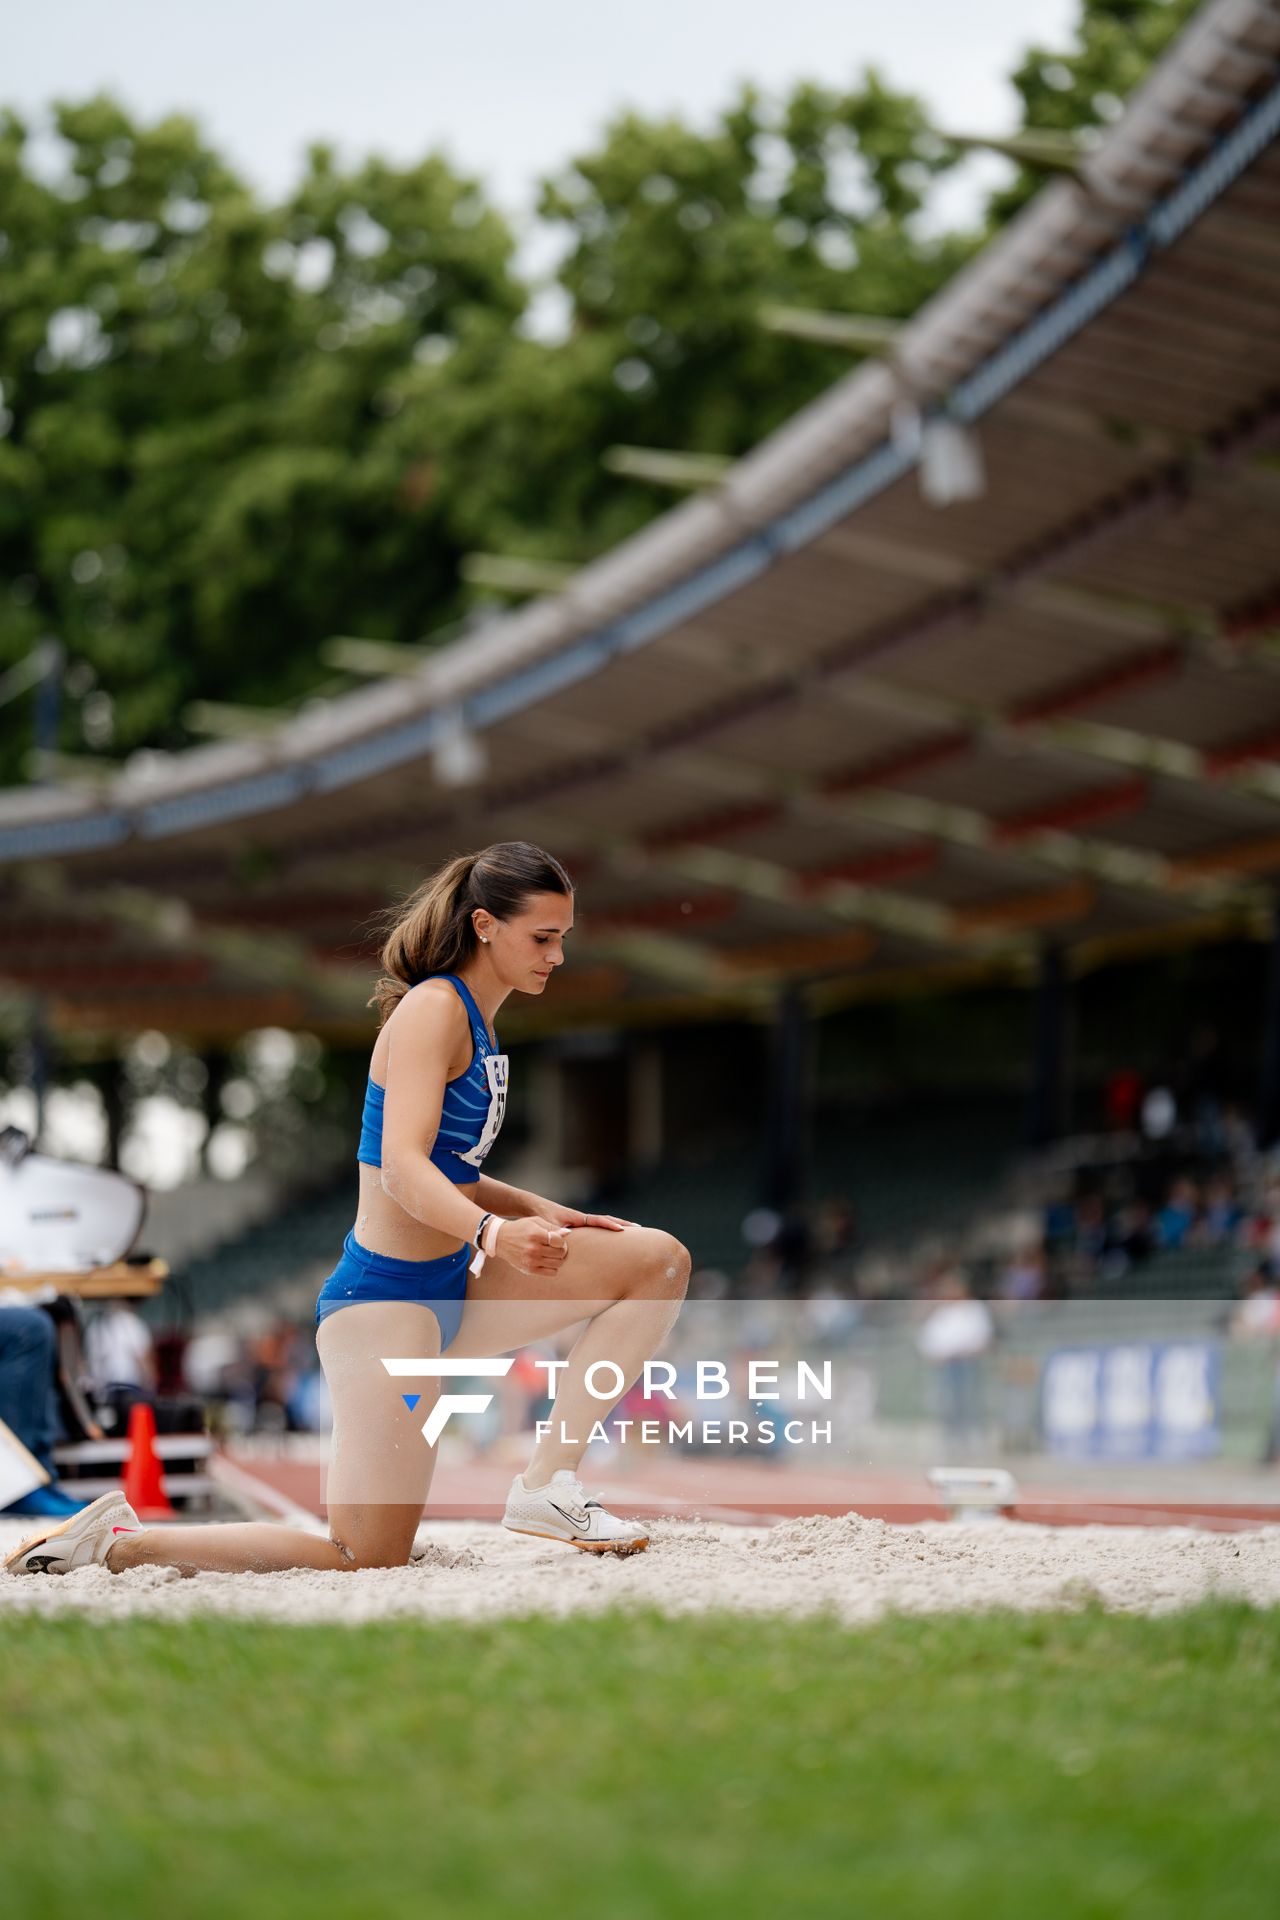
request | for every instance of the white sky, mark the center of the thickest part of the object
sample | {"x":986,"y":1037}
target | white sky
{"x":508,"y":88}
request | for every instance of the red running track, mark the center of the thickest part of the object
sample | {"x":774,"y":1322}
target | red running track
{"x":756,"y":1495}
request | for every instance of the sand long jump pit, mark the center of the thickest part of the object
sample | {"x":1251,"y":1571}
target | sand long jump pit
{"x":721,"y":1538}
{"x":852,"y":1568}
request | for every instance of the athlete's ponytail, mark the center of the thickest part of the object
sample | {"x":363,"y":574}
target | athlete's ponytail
{"x":432,"y":931}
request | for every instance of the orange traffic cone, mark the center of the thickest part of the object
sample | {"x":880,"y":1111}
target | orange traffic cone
{"x":143,"y":1486}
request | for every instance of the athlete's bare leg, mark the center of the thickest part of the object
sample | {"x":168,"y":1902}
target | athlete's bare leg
{"x":379,"y":1474}
{"x":628,"y":1285}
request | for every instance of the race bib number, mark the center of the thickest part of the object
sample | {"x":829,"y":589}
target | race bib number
{"x":495,"y":1072}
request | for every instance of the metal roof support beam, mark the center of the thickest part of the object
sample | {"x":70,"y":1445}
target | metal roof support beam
{"x":870,"y":869}
{"x":1050,"y":149}
{"x":1045,"y":907}
{"x":877,"y":907}
{"x":665,"y":915}
{"x":817,"y":953}
{"x":227,"y":722}
{"x":663,"y":467}
{"x":90,"y":772}
{"x":201,"y":1014}
{"x":1039,"y":840}
{"x":1043,"y":838}
{"x":257,"y":959}
{"x":1260,"y":854}
{"x":378,"y":658}
{"x":516,"y":573}
{"x":674,"y":959}
{"x":856,"y":332}
{"x":1051,"y":723}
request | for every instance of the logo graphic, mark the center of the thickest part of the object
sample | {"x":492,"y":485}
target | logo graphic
{"x":419,"y":1369}
{"x":581,"y":1522}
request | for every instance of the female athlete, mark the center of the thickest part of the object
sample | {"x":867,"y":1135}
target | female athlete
{"x":442,"y":1259}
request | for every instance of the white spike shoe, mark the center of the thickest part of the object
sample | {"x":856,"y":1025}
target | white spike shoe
{"x":83,"y":1541}
{"x":562,"y":1511}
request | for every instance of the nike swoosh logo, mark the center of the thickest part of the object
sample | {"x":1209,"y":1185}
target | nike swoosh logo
{"x":124,"y":1529}
{"x":581,"y":1525}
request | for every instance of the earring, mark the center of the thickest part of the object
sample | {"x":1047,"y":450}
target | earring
{"x":484,"y":939}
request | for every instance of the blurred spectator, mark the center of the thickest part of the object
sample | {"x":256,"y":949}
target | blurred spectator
{"x":1159,"y":1114}
{"x":170,"y":1348}
{"x":835,"y":1232}
{"x":206,"y":1362}
{"x":1223,"y":1215}
{"x":1135,"y":1233}
{"x":1060,"y":1224}
{"x":1092,"y":1233}
{"x":1026,"y":1277}
{"x":310,"y":1408}
{"x":792,"y":1251}
{"x":1258,"y":1318}
{"x":953,"y":1338}
{"x":830,"y":1314}
{"x":1204,"y":1090}
{"x":1263,"y":1232}
{"x":1177,"y":1216}
{"x":119,"y":1351}
{"x":1122,"y":1097}
{"x":1238,"y":1140}
{"x":529,"y":1386}
{"x":1258,"y":1315}
{"x":761,"y":1227}
{"x":273,"y":1376}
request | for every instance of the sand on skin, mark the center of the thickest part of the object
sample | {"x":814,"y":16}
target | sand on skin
{"x":855,"y":1568}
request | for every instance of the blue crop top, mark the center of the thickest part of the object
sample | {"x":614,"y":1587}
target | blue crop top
{"x":472,"y":1110}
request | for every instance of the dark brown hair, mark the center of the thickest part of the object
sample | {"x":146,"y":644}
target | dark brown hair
{"x":432,"y":932}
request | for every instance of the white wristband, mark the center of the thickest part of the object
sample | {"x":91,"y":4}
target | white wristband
{"x":488,"y":1242}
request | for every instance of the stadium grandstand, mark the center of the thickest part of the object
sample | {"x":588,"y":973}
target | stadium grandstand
{"x":963,"y":689}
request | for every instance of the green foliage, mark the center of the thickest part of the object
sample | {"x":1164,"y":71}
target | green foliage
{"x":199,"y":393}
{"x":229,"y":430}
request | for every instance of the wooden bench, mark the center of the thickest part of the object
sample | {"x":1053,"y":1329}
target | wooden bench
{"x":124,"y":1280}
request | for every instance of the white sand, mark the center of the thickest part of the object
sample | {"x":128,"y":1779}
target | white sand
{"x":859,"y":1569}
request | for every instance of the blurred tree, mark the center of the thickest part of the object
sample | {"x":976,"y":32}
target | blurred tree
{"x":195,"y":481}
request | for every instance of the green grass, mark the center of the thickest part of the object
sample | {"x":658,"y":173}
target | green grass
{"x":633,"y":1768}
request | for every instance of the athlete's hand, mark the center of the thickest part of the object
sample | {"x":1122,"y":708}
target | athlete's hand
{"x":532,"y":1245}
{"x":574,"y":1217}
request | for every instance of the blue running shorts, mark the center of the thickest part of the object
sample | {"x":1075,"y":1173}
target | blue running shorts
{"x":361,"y":1276}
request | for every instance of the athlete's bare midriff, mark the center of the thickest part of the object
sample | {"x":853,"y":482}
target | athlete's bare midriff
{"x":382,"y":1225}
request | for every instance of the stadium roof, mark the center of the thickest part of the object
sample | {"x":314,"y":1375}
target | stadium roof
{"x":812,"y":724}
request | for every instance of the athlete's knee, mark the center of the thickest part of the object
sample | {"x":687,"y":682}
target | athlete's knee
{"x":378,"y":1557}
{"x":663,"y":1266}
{"x":372,"y":1554}
{"x":679,"y":1265}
